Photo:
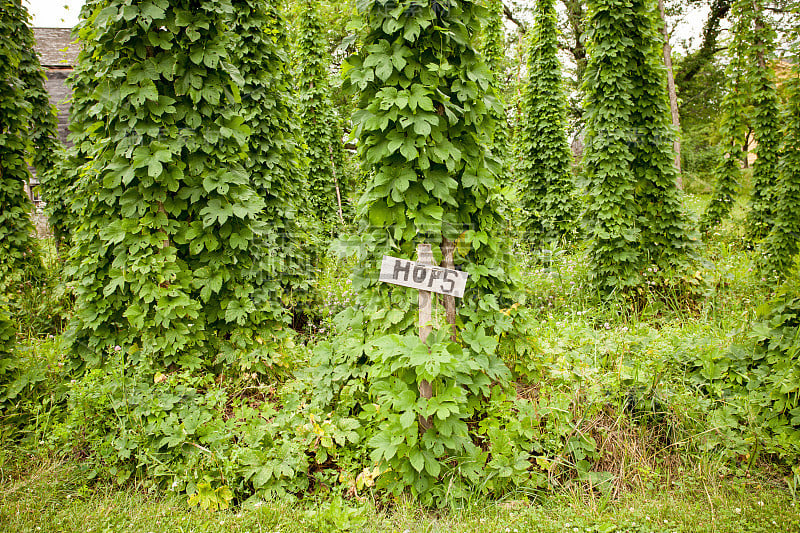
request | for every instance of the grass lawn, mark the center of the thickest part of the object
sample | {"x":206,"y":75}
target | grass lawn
{"x":38,"y":494}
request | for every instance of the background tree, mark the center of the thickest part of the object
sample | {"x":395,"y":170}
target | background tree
{"x":634,"y":215}
{"x":700,"y":110}
{"x":19,"y":251}
{"x":168,"y":244}
{"x":695,"y":62}
{"x":766,"y":129}
{"x":322,"y":127}
{"x":544,"y":157}
{"x":671,"y":91}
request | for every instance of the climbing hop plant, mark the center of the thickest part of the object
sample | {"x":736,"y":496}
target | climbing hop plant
{"x":19,"y":252}
{"x":260,"y":49}
{"x":635,"y":217}
{"x":45,"y":149}
{"x":732,"y":130}
{"x":766,"y":127}
{"x":494,"y":53}
{"x":781,"y":246}
{"x":46,"y":152}
{"x":322,"y":127}
{"x":423,"y":127}
{"x":8,"y":361}
{"x":164,"y":257}
{"x":7,"y":337}
{"x":543,"y":160}
{"x":59,"y":188}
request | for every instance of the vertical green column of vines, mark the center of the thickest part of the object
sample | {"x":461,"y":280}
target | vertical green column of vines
{"x":635,"y":216}
{"x":8,"y":361}
{"x":64,"y":203}
{"x":423,"y":125}
{"x":781,"y":246}
{"x":544,"y":157}
{"x":494,"y":53}
{"x":669,"y":237}
{"x":164,"y":255}
{"x":766,"y":127}
{"x":7,"y":338}
{"x":732,"y":129}
{"x":274,"y":163}
{"x":19,"y":252}
{"x":43,"y":124}
{"x":322,"y":127}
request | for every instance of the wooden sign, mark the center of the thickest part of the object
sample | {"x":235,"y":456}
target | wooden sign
{"x":423,"y":277}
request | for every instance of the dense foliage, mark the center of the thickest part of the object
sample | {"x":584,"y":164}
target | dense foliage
{"x":273,"y":161}
{"x":543,"y":162}
{"x":45,"y":149}
{"x":494,"y":55}
{"x":635,"y":219}
{"x":755,"y":385}
{"x":192,"y":235}
{"x":322,"y":126}
{"x":7,"y":340}
{"x":766,"y":125}
{"x":64,"y":203}
{"x":732,"y":130}
{"x":19,"y":250}
{"x":168,"y":238}
{"x":781,"y":246}
{"x":423,"y":126}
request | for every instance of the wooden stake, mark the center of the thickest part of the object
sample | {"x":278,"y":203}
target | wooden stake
{"x":449,"y":302}
{"x":425,"y":256}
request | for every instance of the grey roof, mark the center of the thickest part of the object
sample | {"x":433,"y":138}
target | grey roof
{"x":56,"y":48}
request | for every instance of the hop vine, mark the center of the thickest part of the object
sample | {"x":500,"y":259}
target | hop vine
{"x":19,"y":251}
{"x":732,"y":130}
{"x":165,"y":256}
{"x":766,"y":127}
{"x":635,"y":217}
{"x":65,"y":203}
{"x":780,"y":249}
{"x":259,"y":49}
{"x":494,"y":53}
{"x":322,"y":127}
{"x":543,"y":161}
{"x":423,"y":127}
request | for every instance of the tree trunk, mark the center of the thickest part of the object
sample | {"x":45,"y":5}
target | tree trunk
{"x":673,"y":95}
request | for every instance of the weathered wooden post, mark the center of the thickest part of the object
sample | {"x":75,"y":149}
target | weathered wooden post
{"x":449,"y":302}
{"x":425,"y":257}
{"x":427,"y":278}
